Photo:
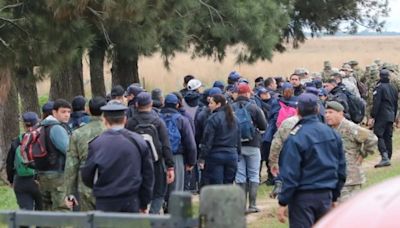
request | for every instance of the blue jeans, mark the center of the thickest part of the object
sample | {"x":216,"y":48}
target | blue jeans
{"x":249,"y":165}
{"x":220,"y":168}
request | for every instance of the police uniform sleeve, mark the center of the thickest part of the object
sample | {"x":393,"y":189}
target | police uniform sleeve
{"x":208,"y":138}
{"x":368,"y":139}
{"x":88,"y":171}
{"x":341,"y":169}
{"x":377,"y":97}
{"x":290,"y":170}
{"x":146,"y":189}
{"x":166,"y":146}
{"x":71,"y":167}
{"x":189,"y":143}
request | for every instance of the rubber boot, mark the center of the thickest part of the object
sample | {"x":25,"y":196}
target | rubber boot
{"x":244,"y":187}
{"x":253,"y":187}
{"x":384,"y":162}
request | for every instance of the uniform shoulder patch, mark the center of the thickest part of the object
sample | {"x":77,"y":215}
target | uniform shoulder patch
{"x":295,"y":129}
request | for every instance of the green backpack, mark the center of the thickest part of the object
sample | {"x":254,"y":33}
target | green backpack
{"x":21,"y":168}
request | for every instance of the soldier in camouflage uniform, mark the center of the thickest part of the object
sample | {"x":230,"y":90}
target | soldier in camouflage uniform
{"x":77,"y":155}
{"x":371,"y":78}
{"x":357,"y":71}
{"x":358,"y":144}
{"x":327,"y":72}
{"x":277,"y":143}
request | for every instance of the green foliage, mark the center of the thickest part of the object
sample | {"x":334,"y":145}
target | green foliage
{"x":7,"y":197}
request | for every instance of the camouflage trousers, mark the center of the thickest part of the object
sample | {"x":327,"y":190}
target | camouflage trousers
{"x":348,"y":192}
{"x":50,"y":186}
{"x":86,"y":201}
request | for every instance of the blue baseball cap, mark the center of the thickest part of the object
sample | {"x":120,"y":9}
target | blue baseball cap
{"x":307,"y":100}
{"x":261,"y":90}
{"x":48,"y":107}
{"x":287,"y":85}
{"x":30,"y":118}
{"x":323,"y":92}
{"x":234,"y":76}
{"x":171,"y":99}
{"x":214,"y":91}
{"x":219,"y":84}
{"x":143,"y":99}
{"x":312,"y":90}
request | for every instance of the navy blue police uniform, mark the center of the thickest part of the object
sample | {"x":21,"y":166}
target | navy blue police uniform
{"x":119,"y":168}
{"x":312,"y":168}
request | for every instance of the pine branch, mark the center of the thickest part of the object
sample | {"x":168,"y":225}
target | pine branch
{"x":210,"y":8}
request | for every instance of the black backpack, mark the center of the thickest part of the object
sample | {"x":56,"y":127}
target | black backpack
{"x":149,"y":133}
{"x":356,"y":107}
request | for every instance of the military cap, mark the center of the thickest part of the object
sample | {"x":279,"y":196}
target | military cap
{"x":114,"y":108}
{"x":300,"y":71}
{"x":327,"y":64}
{"x":353,"y":63}
{"x":346,"y":67}
{"x":335,"y":106}
{"x":307,"y":100}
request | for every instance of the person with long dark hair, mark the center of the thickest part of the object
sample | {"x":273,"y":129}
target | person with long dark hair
{"x":221,"y":145}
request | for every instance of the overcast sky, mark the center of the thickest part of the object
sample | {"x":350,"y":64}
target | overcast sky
{"x":393,"y":21}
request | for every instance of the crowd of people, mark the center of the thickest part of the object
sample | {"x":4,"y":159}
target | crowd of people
{"x":128,"y":151}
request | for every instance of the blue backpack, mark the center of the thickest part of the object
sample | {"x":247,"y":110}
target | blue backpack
{"x":247,"y":129}
{"x":173,"y":131}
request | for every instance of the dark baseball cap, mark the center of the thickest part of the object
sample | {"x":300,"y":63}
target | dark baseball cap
{"x":48,"y":107}
{"x":133,"y":90}
{"x":143,"y":99}
{"x":214,"y":91}
{"x":30,"y":118}
{"x":307,"y":100}
{"x":78,"y":103}
{"x":171,"y":99}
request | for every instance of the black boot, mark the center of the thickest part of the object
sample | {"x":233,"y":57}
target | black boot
{"x":384,"y":162}
{"x":253,"y":187}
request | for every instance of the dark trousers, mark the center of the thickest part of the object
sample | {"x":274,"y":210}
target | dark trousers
{"x":27,"y":193}
{"x":265,"y":149}
{"x":307,"y":207}
{"x":220,"y":168}
{"x":129,"y":204}
{"x":384,"y":132}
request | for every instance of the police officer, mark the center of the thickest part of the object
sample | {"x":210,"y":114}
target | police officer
{"x":384,"y":111}
{"x":119,"y":166}
{"x":312,"y":167}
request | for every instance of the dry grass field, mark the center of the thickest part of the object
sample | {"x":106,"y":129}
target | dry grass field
{"x":311,"y":55}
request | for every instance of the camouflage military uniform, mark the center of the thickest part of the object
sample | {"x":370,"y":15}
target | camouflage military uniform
{"x":327,"y":72}
{"x":76,"y":157}
{"x":357,"y":142}
{"x":279,"y":138}
{"x":371,"y":79}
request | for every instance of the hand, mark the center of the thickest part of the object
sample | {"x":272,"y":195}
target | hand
{"x":143,"y":211}
{"x":371,"y":122}
{"x":282,"y":214}
{"x":188,"y":168}
{"x":275,"y":170}
{"x":335,"y":204}
{"x":359,"y":160}
{"x":398,"y":122}
{"x":70,"y":201}
{"x":201,"y":164}
{"x":170,"y":176}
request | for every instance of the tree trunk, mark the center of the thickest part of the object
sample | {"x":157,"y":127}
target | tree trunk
{"x":9,"y":125}
{"x":96,"y":56}
{"x":125,"y":70}
{"x":68,"y":83}
{"x":26,"y":87}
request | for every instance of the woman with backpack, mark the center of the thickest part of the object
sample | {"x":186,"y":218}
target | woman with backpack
{"x":221,"y":145}
{"x":22,"y":178}
{"x":282,"y":108}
